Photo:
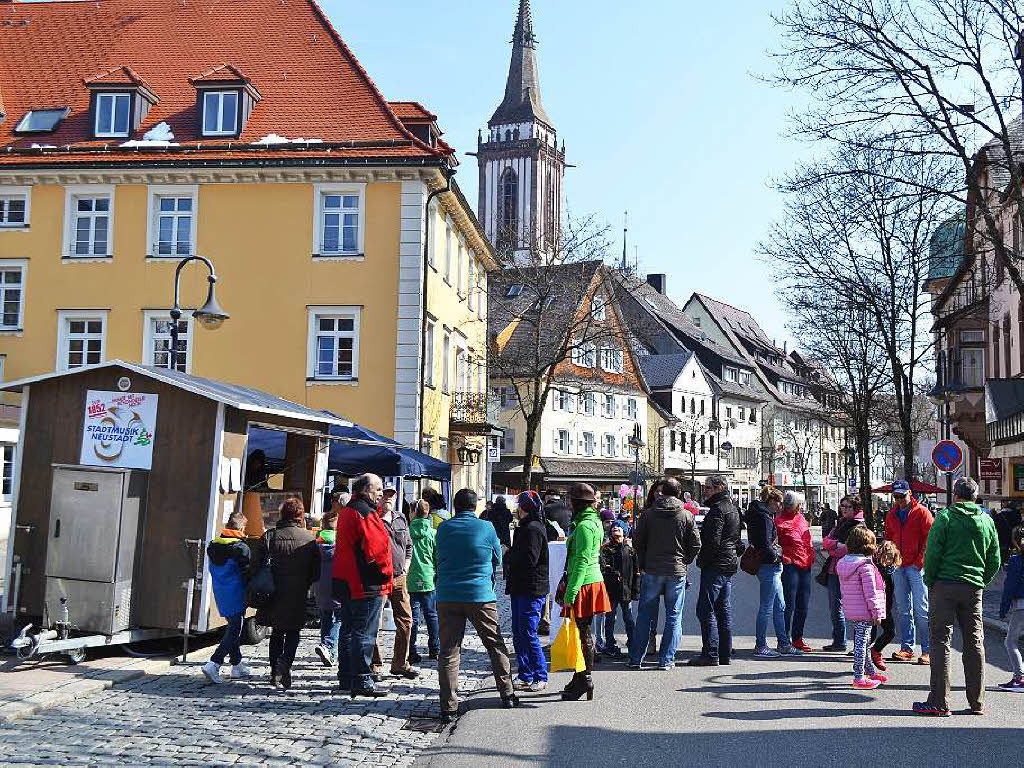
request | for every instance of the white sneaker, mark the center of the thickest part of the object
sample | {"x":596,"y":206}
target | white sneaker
{"x":212,"y":672}
{"x":538,"y":686}
{"x":326,"y":657}
{"x":241,"y":670}
{"x":767,"y":653}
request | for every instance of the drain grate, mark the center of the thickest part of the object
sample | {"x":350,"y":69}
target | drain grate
{"x":424,"y":725}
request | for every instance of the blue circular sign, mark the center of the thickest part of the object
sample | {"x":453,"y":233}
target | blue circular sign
{"x":947,"y":456}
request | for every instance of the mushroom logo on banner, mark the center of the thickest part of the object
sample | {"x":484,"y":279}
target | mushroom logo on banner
{"x":119,"y":429}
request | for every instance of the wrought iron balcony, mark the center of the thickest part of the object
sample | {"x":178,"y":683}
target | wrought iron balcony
{"x":472,"y":412}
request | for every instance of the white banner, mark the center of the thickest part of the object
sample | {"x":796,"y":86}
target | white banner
{"x":119,"y":430}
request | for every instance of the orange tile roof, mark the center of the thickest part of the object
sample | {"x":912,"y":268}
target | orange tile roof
{"x":116,"y":76}
{"x":312,"y":85}
{"x":220,"y":74}
{"x":411,"y":110}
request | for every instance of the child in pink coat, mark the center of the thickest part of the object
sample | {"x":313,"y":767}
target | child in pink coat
{"x":863,"y":602}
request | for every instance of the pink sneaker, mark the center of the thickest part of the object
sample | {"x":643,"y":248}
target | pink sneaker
{"x":880,"y":678}
{"x":867,"y":684}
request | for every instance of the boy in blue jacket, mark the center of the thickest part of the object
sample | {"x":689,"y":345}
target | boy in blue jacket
{"x":1012,"y":605}
{"x":229,"y":571}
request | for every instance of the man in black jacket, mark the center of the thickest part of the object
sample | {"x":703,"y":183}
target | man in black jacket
{"x":527,"y":585}
{"x":622,"y":580}
{"x":666,"y":541}
{"x":556,"y":511}
{"x":718,"y":561}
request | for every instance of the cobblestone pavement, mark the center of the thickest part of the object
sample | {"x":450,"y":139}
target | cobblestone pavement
{"x":178,"y":718}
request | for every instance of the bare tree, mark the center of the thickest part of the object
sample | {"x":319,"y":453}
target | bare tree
{"x":695,"y":429}
{"x":802,"y":433}
{"x":860,"y":234}
{"x":935,"y":78}
{"x":550,"y":316}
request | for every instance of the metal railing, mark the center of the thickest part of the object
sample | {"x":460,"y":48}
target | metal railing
{"x":475,"y":408}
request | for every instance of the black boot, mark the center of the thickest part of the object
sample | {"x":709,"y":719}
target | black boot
{"x":584,"y":686}
{"x":571,"y":692}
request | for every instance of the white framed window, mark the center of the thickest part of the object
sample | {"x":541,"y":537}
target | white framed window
{"x":12,"y":294}
{"x":14,"y":207}
{"x":333,"y":346}
{"x":609,"y":445}
{"x":561,"y":400}
{"x":587,"y":403}
{"x":588,"y":444}
{"x":608,"y":406}
{"x":631,"y":408}
{"x":611,"y":359}
{"x":156,"y":340}
{"x":972,"y":365}
{"x":598,"y":309}
{"x":340,"y":222}
{"x":584,"y":355}
{"x":88,"y":221}
{"x":459,"y":270}
{"x":562,"y":441}
{"x":481,"y":298}
{"x":446,"y":363}
{"x":171,"y":225}
{"x":745,"y":378}
{"x":731,"y":374}
{"x":113,"y":112}
{"x":428,"y":355}
{"x":81,"y":338}
{"x":7,"y":470}
{"x":220,"y":113}
{"x":742,"y":415}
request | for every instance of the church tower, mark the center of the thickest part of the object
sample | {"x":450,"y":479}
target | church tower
{"x":521,"y":165}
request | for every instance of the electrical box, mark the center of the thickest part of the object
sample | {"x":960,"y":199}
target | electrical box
{"x":96,"y":516}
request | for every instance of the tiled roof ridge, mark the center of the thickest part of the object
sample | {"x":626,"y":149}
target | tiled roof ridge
{"x":347,"y":53}
{"x":225,"y":66}
{"x":133,"y":76}
{"x":412,"y":103}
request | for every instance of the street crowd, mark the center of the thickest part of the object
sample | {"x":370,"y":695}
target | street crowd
{"x":438,"y":569}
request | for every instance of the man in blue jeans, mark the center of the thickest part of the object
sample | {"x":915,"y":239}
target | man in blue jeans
{"x":718,"y":561}
{"x":907,"y":525}
{"x":666,"y":541}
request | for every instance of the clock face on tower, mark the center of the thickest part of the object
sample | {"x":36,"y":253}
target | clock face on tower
{"x":521,"y":164}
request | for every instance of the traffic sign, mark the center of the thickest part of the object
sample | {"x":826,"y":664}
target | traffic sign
{"x":726,"y":446}
{"x":947,"y":456}
{"x":853,"y":482}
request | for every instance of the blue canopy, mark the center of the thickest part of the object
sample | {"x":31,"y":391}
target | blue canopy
{"x":355,"y":450}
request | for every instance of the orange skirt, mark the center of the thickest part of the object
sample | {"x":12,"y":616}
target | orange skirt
{"x":591,"y":599}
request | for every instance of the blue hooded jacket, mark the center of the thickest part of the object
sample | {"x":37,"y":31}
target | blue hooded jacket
{"x":1013,"y":586}
{"x":229,"y":571}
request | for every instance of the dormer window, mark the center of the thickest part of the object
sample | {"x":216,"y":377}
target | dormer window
{"x":225,"y":99}
{"x":41,"y":120}
{"x":120,"y":102}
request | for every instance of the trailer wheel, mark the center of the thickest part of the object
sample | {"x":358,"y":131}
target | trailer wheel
{"x":77,"y":656}
{"x":254,"y":633}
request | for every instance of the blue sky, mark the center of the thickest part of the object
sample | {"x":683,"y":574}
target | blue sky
{"x":658,"y":103}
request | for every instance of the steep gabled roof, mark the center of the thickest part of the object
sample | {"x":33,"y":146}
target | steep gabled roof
{"x":661,"y":371}
{"x":312,"y":86}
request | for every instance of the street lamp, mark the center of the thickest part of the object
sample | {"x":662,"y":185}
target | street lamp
{"x":210,"y":315}
{"x":849,"y":454}
{"x":636,"y":442}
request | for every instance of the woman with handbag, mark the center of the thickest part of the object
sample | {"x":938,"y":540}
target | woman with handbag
{"x":851,"y":515}
{"x":585,"y":594}
{"x":295,"y":564}
{"x":764,"y":539}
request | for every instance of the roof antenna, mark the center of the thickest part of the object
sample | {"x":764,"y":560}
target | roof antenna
{"x":625,"y":232}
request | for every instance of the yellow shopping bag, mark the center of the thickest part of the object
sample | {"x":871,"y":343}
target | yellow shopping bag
{"x":567,"y":652}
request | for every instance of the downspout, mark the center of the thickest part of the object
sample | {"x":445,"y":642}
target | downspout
{"x":449,"y":172}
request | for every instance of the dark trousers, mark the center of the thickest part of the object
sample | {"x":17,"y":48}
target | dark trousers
{"x":835,"y":603}
{"x":424,"y":608}
{"x":231,"y":644}
{"x":714,"y":611}
{"x":609,"y":624}
{"x":357,"y":639}
{"x":283,"y":644}
{"x":955,"y":602}
{"x":796,"y":591}
{"x":883,"y":634}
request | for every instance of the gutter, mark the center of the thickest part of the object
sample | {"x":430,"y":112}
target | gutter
{"x":448,"y":173}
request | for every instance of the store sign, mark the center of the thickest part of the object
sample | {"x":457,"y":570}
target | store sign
{"x":493,"y":454}
{"x":991,"y":469}
{"x":119,"y":429}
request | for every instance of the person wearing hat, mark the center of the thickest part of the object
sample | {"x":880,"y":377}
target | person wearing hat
{"x":585,"y":594}
{"x":401,"y":606}
{"x":907,"y":526}
{"x":527,"y":586}
{"x":622,"y":580}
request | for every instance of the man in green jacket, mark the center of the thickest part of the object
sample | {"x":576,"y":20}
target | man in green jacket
{"x":961,"y":559}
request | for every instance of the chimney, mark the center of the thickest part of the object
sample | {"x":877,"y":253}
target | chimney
{"x":657,"y":282}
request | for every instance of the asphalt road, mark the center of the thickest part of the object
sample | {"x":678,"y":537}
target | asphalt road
{"x":782,"y":712}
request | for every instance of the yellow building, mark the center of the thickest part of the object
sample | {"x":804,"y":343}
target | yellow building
{"x":354,"y":272}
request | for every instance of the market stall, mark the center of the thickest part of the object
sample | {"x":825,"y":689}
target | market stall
{"x":124,"y":473}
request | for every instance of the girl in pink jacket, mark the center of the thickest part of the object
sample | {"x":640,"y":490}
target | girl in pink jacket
{"x":863,"y":602}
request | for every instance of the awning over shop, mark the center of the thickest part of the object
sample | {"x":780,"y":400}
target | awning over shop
{"x":1012,"y":450}
{"x":355,"y":449}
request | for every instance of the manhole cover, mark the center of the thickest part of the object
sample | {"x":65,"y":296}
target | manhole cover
{"x":424,"y":725}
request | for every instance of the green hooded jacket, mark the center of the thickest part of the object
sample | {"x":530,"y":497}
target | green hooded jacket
{"x":424,"y":555}
{"x":962,"y":546}
{"x":584,"y":551}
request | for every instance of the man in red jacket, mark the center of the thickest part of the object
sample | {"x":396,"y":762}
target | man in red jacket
{"x":907,"y":526}
{"x":362,"y":579}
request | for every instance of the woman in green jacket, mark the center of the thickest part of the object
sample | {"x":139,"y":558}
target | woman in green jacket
{"x":585,"y":593}
{"x":421,"y":581}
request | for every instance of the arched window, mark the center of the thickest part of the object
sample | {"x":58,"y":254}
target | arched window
{"x":508,"y":135}
{"x":509,"y":194}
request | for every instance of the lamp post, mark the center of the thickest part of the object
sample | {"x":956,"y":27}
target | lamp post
{"x":716,"y":426}
{"x":944,"y":397}
{"x":636,"y":442}
{"x":849,"y":454}
{"x":210,"y":315}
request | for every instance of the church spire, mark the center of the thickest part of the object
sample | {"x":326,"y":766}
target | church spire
{"x":522,"y":102}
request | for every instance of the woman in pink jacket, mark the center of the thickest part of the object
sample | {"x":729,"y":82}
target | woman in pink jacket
{"x":863,"y":602}
{"x":851,"y":515}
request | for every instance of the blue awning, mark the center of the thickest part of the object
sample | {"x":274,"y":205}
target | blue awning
{"x":354,"y":450}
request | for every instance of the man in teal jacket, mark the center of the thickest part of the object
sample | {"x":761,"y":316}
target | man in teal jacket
{"x":468,"y":555}
{"x":960,"y":560}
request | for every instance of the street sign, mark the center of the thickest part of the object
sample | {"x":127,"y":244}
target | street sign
{"x":493,"y":454}
{"x":947,"y":456}
{"x":991,"y":469}
{"x":853,"y":482}
{"x":726,"y":446}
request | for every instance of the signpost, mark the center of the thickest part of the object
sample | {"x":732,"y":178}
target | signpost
{"x":991,"y":469}
{"x":947,"y":457}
